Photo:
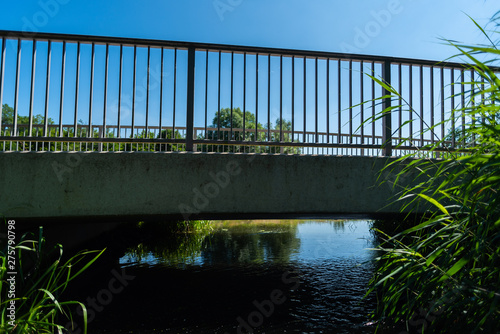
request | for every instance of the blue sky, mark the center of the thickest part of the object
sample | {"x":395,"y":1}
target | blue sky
{"x":400,"y":28}
{"x":411,"y":29}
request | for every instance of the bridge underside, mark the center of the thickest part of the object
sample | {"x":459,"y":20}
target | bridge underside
{"x":67,"y":186}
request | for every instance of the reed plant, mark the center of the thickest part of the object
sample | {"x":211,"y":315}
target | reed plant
{"x":443,"y":274}
{"x":41,"y":276}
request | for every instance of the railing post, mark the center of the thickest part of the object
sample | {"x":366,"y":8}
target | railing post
{"x":386,"y":104}
{"x":190,"y":100}
{"x":101,"y":135}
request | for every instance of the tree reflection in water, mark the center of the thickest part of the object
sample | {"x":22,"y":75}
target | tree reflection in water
{"x":220,"y":242}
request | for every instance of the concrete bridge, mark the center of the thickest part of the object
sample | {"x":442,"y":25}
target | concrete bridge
{"x":123,"y":129}
{"x":187,"y":185}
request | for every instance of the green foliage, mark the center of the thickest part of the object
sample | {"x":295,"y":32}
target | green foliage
{"x":443,"y":275}
{"x":7,"y":114}
{"x":171,"y":242}
{"x":253,"y":131}
{"x":8,"y":117}
{"x":41,"y":278}
{"x":169,"y":134}
{"x":81,"y":132}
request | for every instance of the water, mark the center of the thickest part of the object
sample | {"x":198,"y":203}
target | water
{"x":274,"y":277}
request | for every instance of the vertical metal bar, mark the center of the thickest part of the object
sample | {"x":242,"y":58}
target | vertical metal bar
{"x":147,"y":90}
{"x":316,"y":79}
{"x":328,"y":100}
{"x":373,"y":103}
{"x":161,"y":97}
{"x":256,"y":96}
{"x":106,"y":69}
{"x":190,"y":100}
{"x":218,"y":92}
{"x":452,"y":81}
{"x":281,"y":98}
{"x":61,"y":102}
{"x":362,"y":99}
{"x":244,"y":93}
{"x":32,"y":92}
{"x":91,"y":96}
{"x":175,"y":92}
{"x":75,"y":124}
{"x":2,"y":73}
{"x":421,"y":106}
{"x":206,"y":96}
{"x":231,"y":111}
{"x":339,"y":139}
{"x":132,"y":130}
{"x":411,"y":104}
{"x":120,"y":90}
{"x":442,"y":104}
{"x":350,"y":101}
{"x":305,"y":97}
{"x":47,"y":84}
{"x":432,"y":104}
{"x":293,"y":99}
{"x":16,"y":92}
{"x":400,"y":109}
{"x":386,"y":105}
{"x":269,"y":97}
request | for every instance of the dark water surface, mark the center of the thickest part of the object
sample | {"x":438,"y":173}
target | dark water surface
{"x":242,"y":277}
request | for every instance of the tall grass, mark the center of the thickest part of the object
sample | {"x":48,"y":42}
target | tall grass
{"x":443,"y":275}
{"x":42,"y":276}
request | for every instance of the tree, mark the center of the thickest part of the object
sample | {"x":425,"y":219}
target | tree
{"x":169,"y":134}
{"x":37,"y":122}
{"x":7,"y":114}
{"x":8,"y":117}
{"x":225,"y":120}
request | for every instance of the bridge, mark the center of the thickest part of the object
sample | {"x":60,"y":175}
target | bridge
{"x":116,"y":128}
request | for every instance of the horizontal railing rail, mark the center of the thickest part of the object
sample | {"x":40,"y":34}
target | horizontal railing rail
{"x":211,"y":145}
{"x":120,"y":41}
{"x":72,"y":92}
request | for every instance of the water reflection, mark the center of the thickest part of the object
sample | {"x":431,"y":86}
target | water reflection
{"x":168,"y":244}
{"x":243,"y":242}
{"x":207,"y":282}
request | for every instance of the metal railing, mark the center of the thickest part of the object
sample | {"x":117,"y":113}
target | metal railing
{"x":86,"y":93}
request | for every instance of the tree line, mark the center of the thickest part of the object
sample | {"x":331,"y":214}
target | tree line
{"x":224,"y":119}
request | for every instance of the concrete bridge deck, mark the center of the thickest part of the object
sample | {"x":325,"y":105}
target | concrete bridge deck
{"x":71,"y":186}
